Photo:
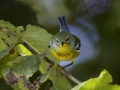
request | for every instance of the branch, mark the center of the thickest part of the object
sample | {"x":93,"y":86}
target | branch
{"x":7,"y":32}
{"x":34,"y":52}
{"x":63,"y":71}
{"x":52,"y":63}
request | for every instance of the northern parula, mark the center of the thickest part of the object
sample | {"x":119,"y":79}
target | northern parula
{"x":64,"y":45}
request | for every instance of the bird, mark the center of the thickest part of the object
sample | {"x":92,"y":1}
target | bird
{"x":64,"y":45}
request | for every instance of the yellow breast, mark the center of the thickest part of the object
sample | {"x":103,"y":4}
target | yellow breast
{"x":64,"y":53}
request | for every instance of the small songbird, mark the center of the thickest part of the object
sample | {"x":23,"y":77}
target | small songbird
{"x":64,"y":45}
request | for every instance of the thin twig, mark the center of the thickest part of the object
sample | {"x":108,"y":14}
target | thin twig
{"x":29,"y":47}
{"x":71,"y":77}
{"x":52,"y":63}
{"x":6,"y":31}
{"x":63,"y":71}
{"x":28,"y":84}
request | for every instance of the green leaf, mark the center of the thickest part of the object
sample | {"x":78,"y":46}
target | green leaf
{"x":38,"y":39}
{"x":5,"y":57}
{"x":100,"y":83}
{"x":5,"y":51}
{"x":23,"y":51}
{"x":20,"y":85}
{"x":59,"y":81}
{"x":112,"y":87}
{"x":23,"y":65}
{"x":28,"y":65}
{"x":6,"y":40}
{"x":7,"y":24}
{"x":7,"y":34}
{"x":16,"y":87}
{"x":10,"y":27}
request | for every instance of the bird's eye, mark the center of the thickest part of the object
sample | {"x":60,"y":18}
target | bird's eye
{"x":67,"y":39}
{"x":57,"y":41}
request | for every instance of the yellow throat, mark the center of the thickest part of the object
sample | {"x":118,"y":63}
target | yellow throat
{"x":64,"y":53}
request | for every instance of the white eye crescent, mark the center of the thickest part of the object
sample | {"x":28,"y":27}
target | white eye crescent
{"x":57,"y":41}
{"x":67,"y":39}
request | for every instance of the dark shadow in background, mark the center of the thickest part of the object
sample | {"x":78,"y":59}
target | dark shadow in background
{"x":17,"y":13}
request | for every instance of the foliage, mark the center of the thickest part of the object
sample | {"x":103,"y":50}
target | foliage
{"x":37,"y":39}
{"x":23,"y":52}
{"x":100,"y":83}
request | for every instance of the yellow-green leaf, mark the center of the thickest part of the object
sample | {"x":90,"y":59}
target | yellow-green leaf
{"x":100,"y":83}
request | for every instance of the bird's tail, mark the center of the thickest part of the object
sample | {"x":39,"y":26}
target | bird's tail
{"x":63,"y":24}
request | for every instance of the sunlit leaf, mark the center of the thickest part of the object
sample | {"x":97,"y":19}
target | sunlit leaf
{"x":23,"y":51}
{"x":100,"y":83}
{"x":113,"y":87}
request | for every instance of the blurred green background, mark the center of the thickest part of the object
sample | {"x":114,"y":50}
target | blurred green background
{"x":95,"y":22}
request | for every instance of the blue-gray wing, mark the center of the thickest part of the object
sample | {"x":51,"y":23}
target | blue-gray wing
{"x":63,"y":24}
{"x":77,"y":43}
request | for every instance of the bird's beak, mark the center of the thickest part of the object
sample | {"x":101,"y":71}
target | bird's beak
{"x":62,"y":43}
